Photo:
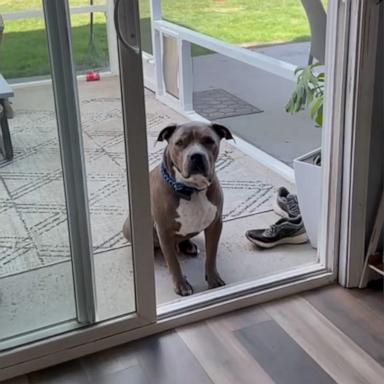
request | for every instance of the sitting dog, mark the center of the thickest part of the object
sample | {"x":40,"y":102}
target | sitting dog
{"x":186,"y":198}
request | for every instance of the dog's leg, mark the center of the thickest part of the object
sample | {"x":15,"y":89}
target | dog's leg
{"x":212,"y":237}
{"x":168,"y":247}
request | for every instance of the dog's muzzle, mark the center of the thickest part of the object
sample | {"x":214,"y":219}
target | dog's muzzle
{"x":198,"y":165}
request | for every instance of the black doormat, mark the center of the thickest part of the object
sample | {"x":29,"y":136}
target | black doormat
{"x":216,"y":104}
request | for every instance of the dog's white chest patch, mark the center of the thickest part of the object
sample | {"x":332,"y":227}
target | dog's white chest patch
{"x":196,"y":214}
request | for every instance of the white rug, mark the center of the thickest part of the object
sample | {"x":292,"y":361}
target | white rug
{"x":32,"y":205}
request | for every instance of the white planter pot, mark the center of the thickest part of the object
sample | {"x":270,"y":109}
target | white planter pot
{"x":308,"y":184}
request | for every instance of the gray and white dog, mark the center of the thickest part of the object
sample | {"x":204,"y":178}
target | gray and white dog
{"x":186,"y":198}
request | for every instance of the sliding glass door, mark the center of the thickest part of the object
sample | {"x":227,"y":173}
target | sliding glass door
{"x":78,"y":174}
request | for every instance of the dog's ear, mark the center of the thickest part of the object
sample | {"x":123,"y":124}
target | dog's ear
{"x":223,"y":132}
{"x":167,"y":132}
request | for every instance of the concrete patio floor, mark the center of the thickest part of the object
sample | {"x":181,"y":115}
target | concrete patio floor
{"x":274,"y":131}
{"x":44,"y":295}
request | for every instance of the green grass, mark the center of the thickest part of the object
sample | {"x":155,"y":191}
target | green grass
{"x":23,"y":51}
{"x":23,"y":5}
{"x":241,"y":21}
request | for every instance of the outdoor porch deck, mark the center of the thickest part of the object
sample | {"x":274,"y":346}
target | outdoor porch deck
{"x":274,"y":131}
{"x":35,"y":255}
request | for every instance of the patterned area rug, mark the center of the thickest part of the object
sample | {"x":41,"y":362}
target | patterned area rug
{"x":33,"y":218}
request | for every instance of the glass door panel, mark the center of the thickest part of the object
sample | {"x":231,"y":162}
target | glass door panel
{"x":213,"y":63}
{"x":36,"y":283}
{"x":108,"y":196}
{"x":65,"y":196}
{"x":145,"y":26}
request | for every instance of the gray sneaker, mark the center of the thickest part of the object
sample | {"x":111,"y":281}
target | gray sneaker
{"x":286,"y":204}
{"x":284,"y":231}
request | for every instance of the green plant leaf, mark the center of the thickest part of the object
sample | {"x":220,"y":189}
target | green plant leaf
{"x":309,"y":93}
{"x":317,"y":110}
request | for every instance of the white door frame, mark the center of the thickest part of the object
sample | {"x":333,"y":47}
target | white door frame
{"x":359,"y":94}
{"x":112,"y":333}
{"x":80,"y":342}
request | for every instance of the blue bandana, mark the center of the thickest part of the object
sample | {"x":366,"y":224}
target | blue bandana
{"x":182,"y":191}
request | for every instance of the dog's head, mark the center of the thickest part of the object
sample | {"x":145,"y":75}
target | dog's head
{"x":192,"y":151}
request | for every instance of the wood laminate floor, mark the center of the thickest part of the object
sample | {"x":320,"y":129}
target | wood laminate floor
{"x":330,"y":335}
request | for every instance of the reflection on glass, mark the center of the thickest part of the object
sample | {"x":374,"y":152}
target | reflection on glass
{"x":23,"y":52}
{"x":251,"y":103}
{"x":105,"y":160}
{"x":36,"y":283}
{"x":89,"y":41}
{"x":145,"y":26}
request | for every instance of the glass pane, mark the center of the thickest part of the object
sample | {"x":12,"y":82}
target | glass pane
{"x":251,"y":101}
{"x":36,"y":277}
{"x":8,"y":6}
{"x":23,"y":53}
{"x":89,"y":42}
{"x":36,"y":283}
{"x":145,"y":26}
{"x":20,"y":5}
{"x":102,"y":124}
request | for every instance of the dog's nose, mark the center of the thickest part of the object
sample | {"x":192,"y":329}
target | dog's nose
{"x":197,"y":158}
{"x":197,"y":162}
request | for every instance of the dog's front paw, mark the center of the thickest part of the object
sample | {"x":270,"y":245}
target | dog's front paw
{"x":183,"y":288}
{"x":214,"y":280}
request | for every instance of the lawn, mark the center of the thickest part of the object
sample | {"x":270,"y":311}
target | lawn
{"x":23,"y":51}
{"x":250,"y":22}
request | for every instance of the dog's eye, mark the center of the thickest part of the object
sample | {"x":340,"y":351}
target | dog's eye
{"x":208,"y":141}
{"x":179,"y":143}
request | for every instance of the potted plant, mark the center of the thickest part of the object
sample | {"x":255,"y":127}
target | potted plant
{"x":309,"y":93}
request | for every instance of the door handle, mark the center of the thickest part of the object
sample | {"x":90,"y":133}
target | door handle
{"x":133,"y":33}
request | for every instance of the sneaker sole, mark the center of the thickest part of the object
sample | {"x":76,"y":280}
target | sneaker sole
{"x":299,"y":239}
{"x":279,"y":211}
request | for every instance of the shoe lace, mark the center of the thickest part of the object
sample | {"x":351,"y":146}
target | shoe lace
{"x":293,"y":205}
{"x":271,"y":231}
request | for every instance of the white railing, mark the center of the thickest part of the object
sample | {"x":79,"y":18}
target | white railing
{"x":185,"y":37}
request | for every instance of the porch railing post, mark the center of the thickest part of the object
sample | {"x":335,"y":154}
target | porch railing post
{"x":156,"y":15}
{"x":112,"y":39}
{"x":185,"y":75}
